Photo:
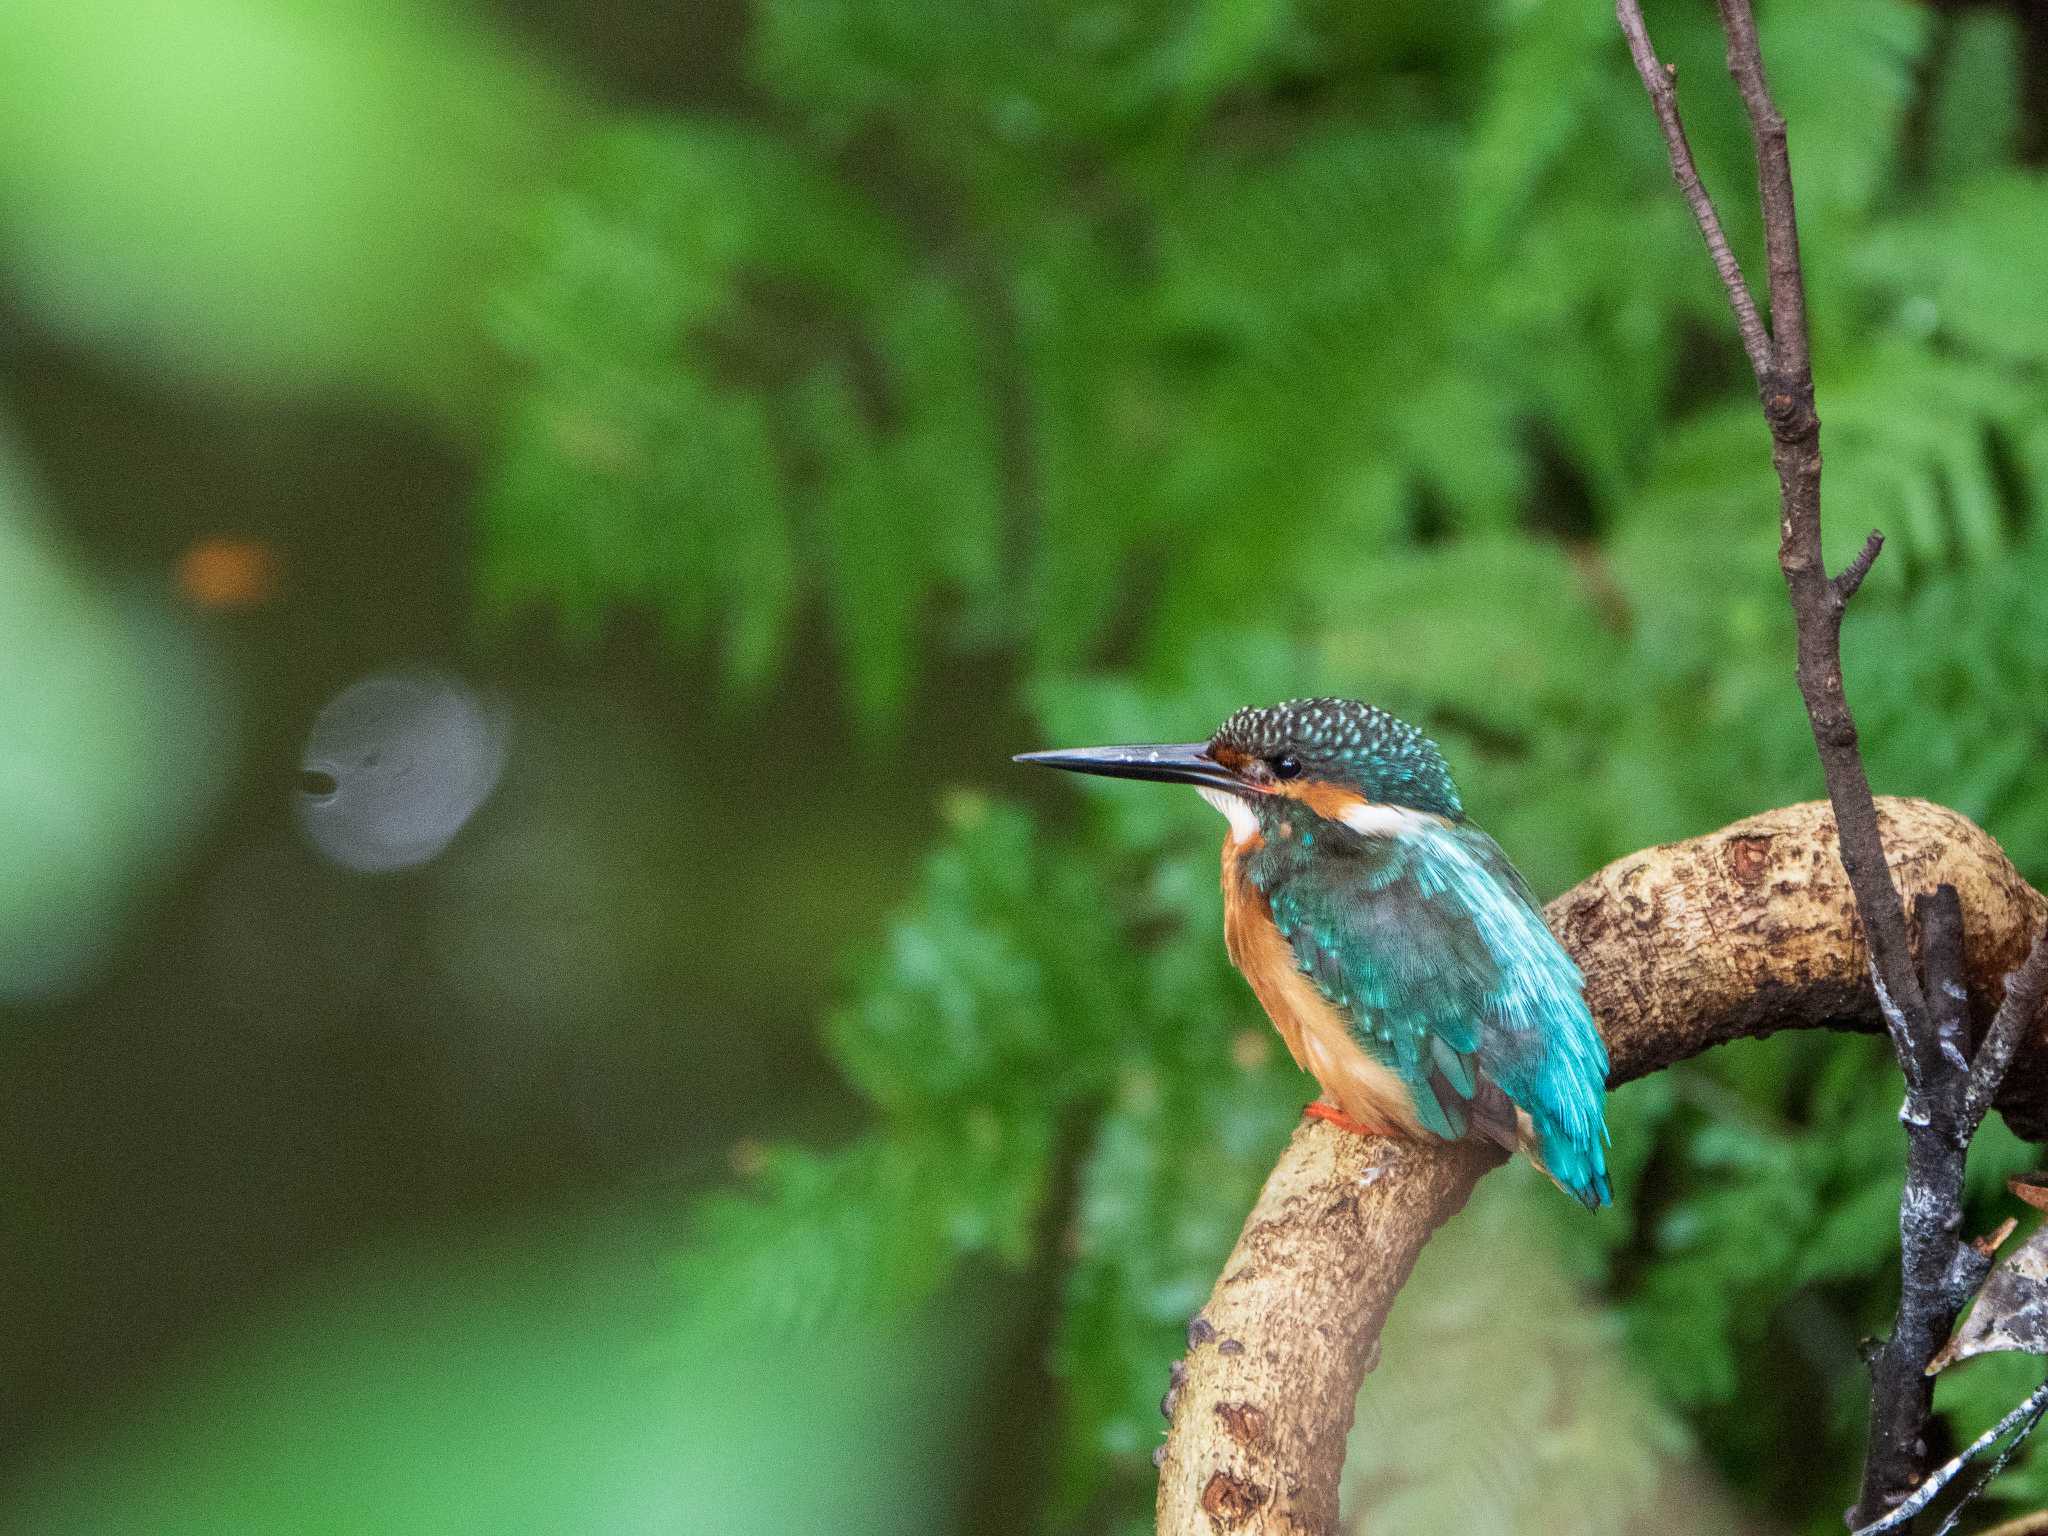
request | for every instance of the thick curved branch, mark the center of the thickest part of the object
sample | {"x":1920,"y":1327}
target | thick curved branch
{"x":1744,"y":932}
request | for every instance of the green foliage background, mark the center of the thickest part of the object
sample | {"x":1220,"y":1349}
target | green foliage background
{"x":1193,"y":357}
{"x":1092,"y":369}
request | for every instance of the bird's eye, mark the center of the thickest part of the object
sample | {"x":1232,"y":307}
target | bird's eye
{"x":1286,"y":767}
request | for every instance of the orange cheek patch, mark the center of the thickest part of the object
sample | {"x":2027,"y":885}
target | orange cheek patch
{"x":1329,"y":801}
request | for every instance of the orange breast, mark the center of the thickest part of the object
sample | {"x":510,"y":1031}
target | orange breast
{"x":1316,"y":1034}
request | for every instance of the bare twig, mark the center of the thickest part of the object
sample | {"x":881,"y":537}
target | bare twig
{"x":1660,"y":80}
{"x":1948,"y":1005}
{"x":1946,"y":1473}
{"x":1904,"y":1046}
{"x":1853,"y":573}
{"x":2023,"y":989}
{"x":1999,"y":1464}
{"x":1774,"y":186}
{"x":1947,"y":1096}
{"x":1684,"y":947}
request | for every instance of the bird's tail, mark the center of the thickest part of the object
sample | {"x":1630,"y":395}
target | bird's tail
{"x":1576,"y":1166}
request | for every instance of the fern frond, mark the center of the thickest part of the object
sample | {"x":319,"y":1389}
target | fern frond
{"x":872,"y":1227}
{"x":728,"y":359}
{"x":1005,"y":982}
{"x":1175,"y":1164}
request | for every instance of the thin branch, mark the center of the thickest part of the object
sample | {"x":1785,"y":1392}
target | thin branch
{"x":1947,"y":1051}
{"x":1940,"y":918}
{"x":1853,"y":573}
{"x":2004,"y":1457}
{"x":2023,"y":990}
{"x":1948,"y":1096}
{"x":1817,"y":602}
{"x":1942,"y":1476}
{"x":1774,"y":187}
{"x":1903,"y":1046}
{"x":1660,"y":80}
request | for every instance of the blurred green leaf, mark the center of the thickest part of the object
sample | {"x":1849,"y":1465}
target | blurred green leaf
{"x":1500,"y":1405}
{"x":1974,"y":116}
{"x":290,"y":198}
{"x":1006,"y":984}
{"x":1967,"y":265}
{"x":523,"y":1385}
{"x":116,"y":747}
{"x":871,"y":1228}
{"x":1843,"y":71}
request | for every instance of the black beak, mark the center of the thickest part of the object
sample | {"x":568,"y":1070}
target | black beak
{"x":1187,"y":763}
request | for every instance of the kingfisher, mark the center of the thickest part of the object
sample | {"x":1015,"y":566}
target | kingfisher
{"x":1397,"y":951}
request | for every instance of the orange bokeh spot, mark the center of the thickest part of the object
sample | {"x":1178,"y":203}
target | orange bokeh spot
{"x":223,"y":572}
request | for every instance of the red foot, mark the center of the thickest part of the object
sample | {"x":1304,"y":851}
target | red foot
{"x":1330,"y":1112}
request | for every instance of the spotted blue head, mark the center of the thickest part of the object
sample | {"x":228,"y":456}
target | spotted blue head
{"x":1341,"y":743}
{"x":1325,"y":758}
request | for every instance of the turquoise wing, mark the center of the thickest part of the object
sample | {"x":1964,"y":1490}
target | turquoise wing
{"x":1432,"y":947}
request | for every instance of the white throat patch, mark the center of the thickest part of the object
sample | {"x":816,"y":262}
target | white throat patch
{"x":1244,"y":825}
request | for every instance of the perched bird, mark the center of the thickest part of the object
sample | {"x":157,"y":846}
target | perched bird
{"x":1396,"y":950}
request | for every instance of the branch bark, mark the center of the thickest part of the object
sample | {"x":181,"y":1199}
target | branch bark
{"x":1744,"y":932}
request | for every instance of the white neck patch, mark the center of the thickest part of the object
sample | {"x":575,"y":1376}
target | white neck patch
{"x":1244,"y":825}
{"x":1386,"y":820}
